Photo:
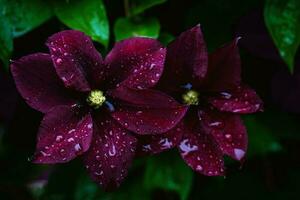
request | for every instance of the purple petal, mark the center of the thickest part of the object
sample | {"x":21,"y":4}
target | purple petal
{"x":146,"y":111}
{"x":224,"y":68}
{"x":240,"y":100}
{"x":153,"y":144}
{"x":136,"y":63}
{"x":186,"y":59}
{"x":76,"y":60}
{"x":200,"y":151}
{"x":37,"y":82}
{"x":111,"y":153}
{"x":228,"y":131}
{"x":65,"y":133}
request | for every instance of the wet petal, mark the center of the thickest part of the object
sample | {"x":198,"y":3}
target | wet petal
{"x":153,"y":144}
{"x":224,"y":68}
{"x":228,"y":131}
{"x":200,"y":151}
{"x":65,"y":133}
{"x":135,"y":63}
{"x":146,"y":111}
{"x":186,"y":59}
{"x":76,"y":60}
{"x":38,"y":83}
{"x":239,"y":100}
{"x":111,"y":153}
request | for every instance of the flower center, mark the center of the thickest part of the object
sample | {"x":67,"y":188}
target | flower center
{"x":96,"y":98}
{"x":191,"y":97}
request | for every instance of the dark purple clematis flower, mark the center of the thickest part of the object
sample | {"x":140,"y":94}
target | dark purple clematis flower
{"x":211,"y":86}
{"x":94,"y":107}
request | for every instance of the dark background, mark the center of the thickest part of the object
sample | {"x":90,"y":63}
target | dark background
{"x":271,"y":170}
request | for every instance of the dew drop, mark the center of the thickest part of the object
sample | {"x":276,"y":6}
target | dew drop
{"x":215,"y":124}
{"x":239,"y":153}
{"x":186,"y":148}
{"x":226,"y":95}
{"x":199,"y":168}
{"x":58,"y":60}
{"x":58,"y":138}
{"x":77,"y":147}
{"x":71,"y":139}
{"x":112,"y":152}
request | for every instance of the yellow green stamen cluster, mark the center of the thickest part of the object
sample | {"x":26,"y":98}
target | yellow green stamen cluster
{"x":96,"y":98}
{"x":191,"y":97}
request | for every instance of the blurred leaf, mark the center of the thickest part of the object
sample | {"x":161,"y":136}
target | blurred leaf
{"x":282,"y":19}
{"x":166,"y":38}
{"x":139,"y":6}
{"x":125,"y":28}
{"x":88,"y":16}
{"x":168,"y":173}
{"x":62,"y":181}
{"x":25,"y":15}
{"x":6,"y":40}
{"x":281,"y":124}
{"x":18,"y":17}
{"x":86,"y":189}
{"x":261,"y":138}
{"x":132,"y":189}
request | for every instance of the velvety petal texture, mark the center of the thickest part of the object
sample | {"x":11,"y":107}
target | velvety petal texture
{"x":136,"y":63}
{"x":146,"y":111}
{"x":227,"y":130}
{"x":242,"y":100}
{"x":65,"y":133}
{"x":111,"y":153}
{"x":186,"y":59}
{"x":200,"y":151}
{"x":38,"y":83}
{"x":224,"y":68}
{"x":76,"y":60}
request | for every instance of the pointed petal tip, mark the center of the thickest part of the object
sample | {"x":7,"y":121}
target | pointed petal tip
{"x":196,"y":28}
{"x":237,"y":39}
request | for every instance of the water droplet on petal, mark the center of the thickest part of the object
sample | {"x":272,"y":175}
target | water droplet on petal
{"x":226,"y":95}
{"x":215,"y":124}
{"x":186,"y":147}
{"x":58,"y":138}
{"x":58,"y":60}
{"x":228,"y":136}
{"x":71,"y":139}
{"x":77,"y":147}
{"x":239,"y":153}
{"x":199,"y":168}
{"x":112,"y":151}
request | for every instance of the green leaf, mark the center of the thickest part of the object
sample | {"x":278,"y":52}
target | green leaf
{"x":6,"y":40}
{"x":125,"y":28}
{"x":261,"y":137}
{"x":283,"y":22}
{"x":168,"y":172}
{"x":139,"y":6}
{"x":131,"y":189}
{"x":25,"y":15}
{"x":86,"y":189}
{"x":166,"y":38}
{"x":88,"y":16}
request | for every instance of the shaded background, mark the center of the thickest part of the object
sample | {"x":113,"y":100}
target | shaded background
{"x":272,"y":167}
